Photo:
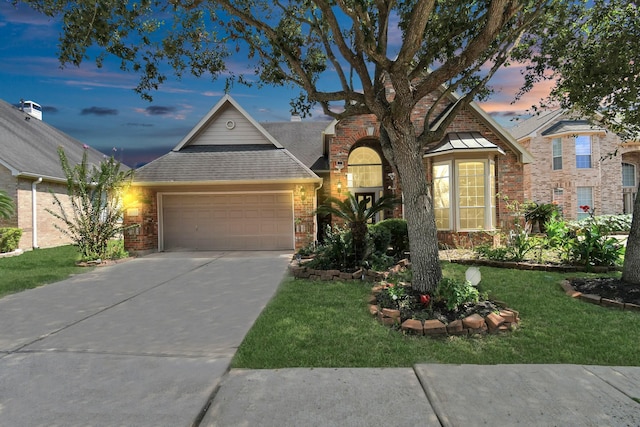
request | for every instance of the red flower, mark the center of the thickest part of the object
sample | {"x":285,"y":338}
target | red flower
{"x":585,"y":208}
{"x":424,"y":299}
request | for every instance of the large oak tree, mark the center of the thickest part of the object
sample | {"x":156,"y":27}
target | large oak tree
{"x":342,"y":54}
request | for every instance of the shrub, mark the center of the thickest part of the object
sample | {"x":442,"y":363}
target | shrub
{"x":115,"y":249}
{"x":608,"y":223}
{"x":9,"y":239}
{"x":455,"y":293}
{"x":336,"y":252}
{"x":539,"y":213}
{"x":399,"y":235}
{"x":379,"y":238}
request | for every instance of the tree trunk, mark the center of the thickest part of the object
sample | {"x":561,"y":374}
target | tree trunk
{"x":418,"y":208}
{"x":631,"y":267}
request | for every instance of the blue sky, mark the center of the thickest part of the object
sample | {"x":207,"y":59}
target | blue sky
{"x":100,"y":108}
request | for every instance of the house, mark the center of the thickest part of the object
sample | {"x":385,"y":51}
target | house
{"x":574,"y":164}
{"x":234,"y":184}
{"x":30,"y":172}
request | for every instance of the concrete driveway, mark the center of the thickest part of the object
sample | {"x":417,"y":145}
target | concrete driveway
{"x":142,"y":343}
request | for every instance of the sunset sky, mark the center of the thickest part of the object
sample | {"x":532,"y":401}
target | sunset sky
{"x":99,"y":107}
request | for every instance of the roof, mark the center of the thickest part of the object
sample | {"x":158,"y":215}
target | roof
{"x":226,"y":163}
{"x":303,"y":140}
{"x":572,"y":126}
{"x":530,"y":126}
{"x":463,"y":141}
{"x":226,"y":146}
{"x":29,"y":147}
{"x":523,"y":155}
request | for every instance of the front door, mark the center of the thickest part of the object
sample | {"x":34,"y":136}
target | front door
{"x":369,"y":197}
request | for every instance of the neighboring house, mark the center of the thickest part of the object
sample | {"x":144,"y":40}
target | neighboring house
{"x":30,"y":172}
{"x":574,"y":165}
{"x":235,"y":184}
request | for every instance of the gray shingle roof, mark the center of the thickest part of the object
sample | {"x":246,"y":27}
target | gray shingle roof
{"x":466,"y":141}
{"x":206,"y":163}
{"x":303,"y":140}
{"x":534,"y":123}
{"x":29,"y":147}
{"x":567,"y":126}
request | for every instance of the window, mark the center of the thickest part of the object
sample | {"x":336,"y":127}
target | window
{"x":365,"y":168}
{"x":628,"y":187}
{"x":556,"y":144}
{"x":628,"y":175}
{"x":464,"y":195}
{"x":585,"y":198}
{"x":558,"y":198}
{"x":583,"y":151}
{"x":442,"y":195}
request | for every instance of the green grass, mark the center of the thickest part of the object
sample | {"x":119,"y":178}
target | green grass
{"x":37,"y":267}
{"x":318,"y":324}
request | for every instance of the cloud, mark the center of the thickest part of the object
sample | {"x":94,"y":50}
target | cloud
{"x":164,"y":111}
{"x":22,"y":14}
{"x":49,"y":109}
{"x":144,"y":125}
{"x":99,"y":111}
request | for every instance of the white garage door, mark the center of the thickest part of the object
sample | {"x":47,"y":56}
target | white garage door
{"x":255,"y":221}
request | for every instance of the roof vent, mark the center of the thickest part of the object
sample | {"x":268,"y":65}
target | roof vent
{"x":31,"y":108}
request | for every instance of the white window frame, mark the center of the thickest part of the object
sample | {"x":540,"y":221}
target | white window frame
{"x":490,"y":209}
{"x":556,"y":142}
{"x":577,"y":137}
{"x":582,"y":214}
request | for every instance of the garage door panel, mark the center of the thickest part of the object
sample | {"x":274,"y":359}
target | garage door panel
{"x":252,"y":221}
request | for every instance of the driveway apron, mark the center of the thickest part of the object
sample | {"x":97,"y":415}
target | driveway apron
{"x":142,"y":343}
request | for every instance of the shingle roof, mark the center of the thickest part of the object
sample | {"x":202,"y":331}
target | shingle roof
{"x":534,"y":123}
{"x":28,"y":146}
{"x":464,"y":141}
{"x":206,"y":163}
{"x":303,"y":140}
{"x":568,"y":126}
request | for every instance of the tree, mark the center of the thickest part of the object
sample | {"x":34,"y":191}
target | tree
{"x":95,"y":194}
{"x":595,"y":62}
{"x":442,"y":47}
{"x":357,"y":214}
{"x":7,"y":207}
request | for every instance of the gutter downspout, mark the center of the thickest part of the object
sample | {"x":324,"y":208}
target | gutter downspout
{"x":34,"y":215}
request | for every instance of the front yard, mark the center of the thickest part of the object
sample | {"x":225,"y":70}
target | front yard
{"x":37,"y":267}
{"x":320,"y":324}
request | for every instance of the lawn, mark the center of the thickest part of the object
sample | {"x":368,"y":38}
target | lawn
{"x":37,"y":267}
{"x":327,"y":324}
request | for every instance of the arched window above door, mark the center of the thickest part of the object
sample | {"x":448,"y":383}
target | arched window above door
{"x":365,"y":168}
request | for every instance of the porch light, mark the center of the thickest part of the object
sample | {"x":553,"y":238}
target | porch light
{"x":303,"y":194}
{"x":339,"y":186}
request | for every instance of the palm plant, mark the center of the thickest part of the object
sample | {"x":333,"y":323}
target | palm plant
{"x":356,"y":214}
{"x":7,"y":207}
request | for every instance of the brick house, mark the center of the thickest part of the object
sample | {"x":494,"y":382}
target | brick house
{"x":30,"y":173}
{"x":233,"y":183}
{"x":573,"y":166}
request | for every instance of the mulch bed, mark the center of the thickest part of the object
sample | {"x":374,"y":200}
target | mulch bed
{"x":607,"y":287}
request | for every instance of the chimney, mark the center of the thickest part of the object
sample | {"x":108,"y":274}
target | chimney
{"x":31,"y":108}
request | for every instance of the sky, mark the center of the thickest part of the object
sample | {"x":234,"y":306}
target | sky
{"x":99,"y":107}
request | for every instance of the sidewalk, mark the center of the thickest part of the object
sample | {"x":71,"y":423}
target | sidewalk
{"x":429,"y":395}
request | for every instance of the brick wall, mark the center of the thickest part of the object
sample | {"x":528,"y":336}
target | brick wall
{"x":141,"y":210}
{"x":604,"y":176}
{"x":48,"y":234}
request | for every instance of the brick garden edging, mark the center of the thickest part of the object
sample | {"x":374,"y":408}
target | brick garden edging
{"x":597,"y":299}
{"x":301,"y":272}
{"x":558,"y":268}
{"x":504,"y":321}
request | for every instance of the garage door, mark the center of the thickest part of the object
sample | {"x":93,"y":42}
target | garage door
{"x":255,"y":221}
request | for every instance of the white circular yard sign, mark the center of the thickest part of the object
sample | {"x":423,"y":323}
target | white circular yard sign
{"x":473,"y":275}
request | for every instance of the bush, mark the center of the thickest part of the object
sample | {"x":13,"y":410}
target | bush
{"x":9,"y":239}
{"x":399,"y":235}
{"x":115,"y":249}
{"x":608,"y":223}
{"x":336,"y":253}
{"x":455,"y":293}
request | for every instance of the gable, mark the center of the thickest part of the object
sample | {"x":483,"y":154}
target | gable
{"x":229,"y":127}
{"x":227,"y":124}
